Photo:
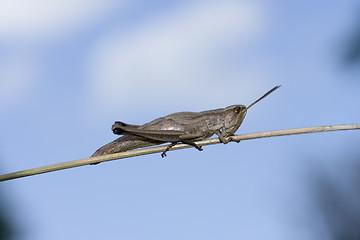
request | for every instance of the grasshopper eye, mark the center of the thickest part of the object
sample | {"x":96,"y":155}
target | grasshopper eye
{"x":237,"y":109}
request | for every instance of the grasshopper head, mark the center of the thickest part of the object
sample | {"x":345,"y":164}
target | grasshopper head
{"x":233,"y":117}
{"x":235,"y":114}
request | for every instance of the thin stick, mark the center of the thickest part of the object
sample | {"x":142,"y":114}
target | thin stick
{"x":150,"y":150}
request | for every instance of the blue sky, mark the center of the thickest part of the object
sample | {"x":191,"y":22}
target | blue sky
{"x":69,"y":69}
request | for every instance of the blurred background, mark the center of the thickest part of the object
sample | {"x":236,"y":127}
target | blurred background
{"x":69,"y":69}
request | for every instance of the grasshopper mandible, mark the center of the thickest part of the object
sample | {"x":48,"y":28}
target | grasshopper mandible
{"x":181,"y":127}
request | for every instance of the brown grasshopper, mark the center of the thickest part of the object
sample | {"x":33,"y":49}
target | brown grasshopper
{"x":181,"y":127}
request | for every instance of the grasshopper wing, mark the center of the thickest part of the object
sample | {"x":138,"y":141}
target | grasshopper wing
{"x":117,"y":127}
{"x":158,"y":135}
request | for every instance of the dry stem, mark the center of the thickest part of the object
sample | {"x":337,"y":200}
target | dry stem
{"x":157,"y":149}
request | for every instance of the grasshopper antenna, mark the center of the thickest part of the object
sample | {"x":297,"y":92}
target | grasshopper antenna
{"x":270,"y":91}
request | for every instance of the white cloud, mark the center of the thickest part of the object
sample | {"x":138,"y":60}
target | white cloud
{"x":176,"y":57}
{"x":37,"y":19}
{"x":36,"y":22}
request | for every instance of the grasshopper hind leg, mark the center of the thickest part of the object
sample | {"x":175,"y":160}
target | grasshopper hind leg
{"x":163,"y":154}
{"x":193,"y":144}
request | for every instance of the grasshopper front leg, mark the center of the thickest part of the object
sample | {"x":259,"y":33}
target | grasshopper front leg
{"x":224,"y":139}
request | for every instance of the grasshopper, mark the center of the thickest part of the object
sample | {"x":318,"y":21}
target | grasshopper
{"x":181,"y":127}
